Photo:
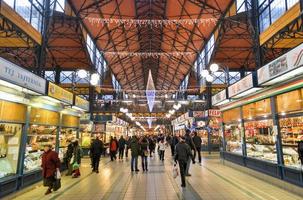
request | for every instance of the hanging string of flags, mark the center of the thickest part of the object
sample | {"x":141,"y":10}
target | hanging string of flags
{"x":152,"y":22}
{"x":148,"y":54}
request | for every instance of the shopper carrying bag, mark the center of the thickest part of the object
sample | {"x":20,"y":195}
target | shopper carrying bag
{"x":175,"y":171}
{"x":50,"y":168}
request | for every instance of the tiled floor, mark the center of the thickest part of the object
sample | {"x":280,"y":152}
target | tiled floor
{"x":212,"y":180}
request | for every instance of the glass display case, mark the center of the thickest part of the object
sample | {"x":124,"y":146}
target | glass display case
{"x":10,"y":135}
{"x":66,"y":136}
{"x":232,"y":134}
{"x":38,"y":136}
{"x":290,"y":107}
{"x":291,"y":133}
{"x":260,"y":140}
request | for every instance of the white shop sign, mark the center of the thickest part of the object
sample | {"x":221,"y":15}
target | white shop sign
{"x":21,"y":77}
{"x":219,"y":97}
{"x":280,"y":66}
{"x":242,"y":85}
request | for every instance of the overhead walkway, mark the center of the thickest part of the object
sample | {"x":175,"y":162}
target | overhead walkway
{"x":212,"y":180}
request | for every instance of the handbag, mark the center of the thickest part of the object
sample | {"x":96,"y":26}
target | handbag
{"x":71,"y":160}
{"x":58,"y":174}
{"x":175,"y":171}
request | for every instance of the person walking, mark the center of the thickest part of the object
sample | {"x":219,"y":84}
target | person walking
{"x":68,"y":156}
{"x":152,"y":146}
{"x":174,"y":142}
{"x":77,"y":155}
{"x":162,"y":146}
{"x":50,"y":165}
{"x":113,"y":147}
{"x":127,"y":142}
{"x":96,"y":150}
{"x":144,"y":153}
{"x":189,"y":141}
{"x":183,"y":153}
{"x":134,"y":147}
{"x":198,"y":144}
{"x":121,"y":144}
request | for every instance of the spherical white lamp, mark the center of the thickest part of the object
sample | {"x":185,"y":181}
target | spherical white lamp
{"x":204,"y":73}
{"x":93,"y":82}
{"x":209,"y":78}
{"x":82,"y":73}
{"x":95,"y":76}
{"x":214,"y":67}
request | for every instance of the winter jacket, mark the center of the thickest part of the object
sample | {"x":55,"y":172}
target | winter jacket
{"x":197,"y":141}
{"x":50,"y":163}
{"x":121,"y":143}
{"x":144,"y":146}
{"x":113,"y":145}
{"x":97,"y":147}
{"x":134,"y":147}
{"x":182,"y":152}
{"x":189,"y":141}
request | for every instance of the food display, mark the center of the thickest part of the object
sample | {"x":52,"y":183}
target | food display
{"x":66,"y":136}
{"x":291,"y":133}
{"x":9,"y":148}
{"x":232,"y":133}
{"x":38,"y":136}
{"x":260,"y":140}
{"x":85,"y":135}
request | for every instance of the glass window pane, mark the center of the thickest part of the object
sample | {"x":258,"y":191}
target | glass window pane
{"x":278,"y":8}
{"x":257,"y":109}
{"x":291,"y":3}
{"x":232,"y":134}
{"x":23,"y":7}
{"x":290,"y":102}
{"x":60,"y":5}
{"x":260,"y":140}
{"x":10,"y":2}
{"x":264,"y":20}
{"x":231,"y":115}
{"x":291,"y":133}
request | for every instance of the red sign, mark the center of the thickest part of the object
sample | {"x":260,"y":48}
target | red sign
{"x":213,"y":113}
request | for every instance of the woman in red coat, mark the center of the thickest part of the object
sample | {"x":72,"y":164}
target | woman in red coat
{"x":50,"y":164}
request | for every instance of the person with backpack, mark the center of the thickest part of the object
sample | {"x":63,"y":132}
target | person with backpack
{"x":183,"y":153}
{"x":113,"y":147}
{"x":50,"y":166}
{"x":96,"y":150}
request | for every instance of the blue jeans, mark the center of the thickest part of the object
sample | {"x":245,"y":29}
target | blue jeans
{"x":134,"y":161}
{"x":144,"y":163}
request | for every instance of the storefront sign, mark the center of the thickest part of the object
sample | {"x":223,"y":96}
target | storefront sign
{"x":60,"y":93}
{"x":199,"y":114}
{"x":21,"y":77}
{"x":81,"y":103}
{"x":213,"y":113}
{"x":280,"y":66}
{"x":219,"y":97}
{"x":242,"y":85}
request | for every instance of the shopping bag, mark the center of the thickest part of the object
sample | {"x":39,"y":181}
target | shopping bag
{"x":175,"y":171}
{"x":58,"y":174}
{"x":57,"y":184}
{"x":75,"y":166}
{"x":71,"y":160}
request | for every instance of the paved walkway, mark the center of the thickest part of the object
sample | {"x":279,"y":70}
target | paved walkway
{"x":212,"y":180}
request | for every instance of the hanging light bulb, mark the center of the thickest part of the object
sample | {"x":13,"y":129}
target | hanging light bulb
{"x":95,"y":76}
{"x":82,"y":73}
{"x":209,"y":78}
{"x":94,"y":82}
{"x":214,"y":67}
{"x":204,"y":73}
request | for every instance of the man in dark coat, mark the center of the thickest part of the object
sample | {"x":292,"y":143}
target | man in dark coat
{"x":174,"y":142}
{"x":121,"y":144}
{"x":96,"y":151}
{"x":182,"y":155}
{"x":135,"y":148}
{"x":50,"y":165}
{"x":189,"y":141}
{"x":197,"y":142}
